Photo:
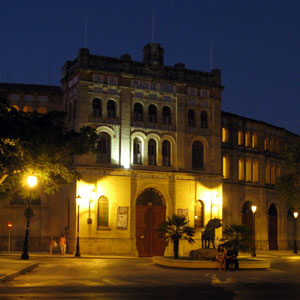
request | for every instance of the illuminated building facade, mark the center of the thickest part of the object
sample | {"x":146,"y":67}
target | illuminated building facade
{"x":164,"y":147}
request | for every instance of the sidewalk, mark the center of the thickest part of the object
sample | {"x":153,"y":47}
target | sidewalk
{"x":12,"y":265}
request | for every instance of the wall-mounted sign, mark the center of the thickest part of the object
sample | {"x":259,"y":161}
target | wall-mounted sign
{"x":122,"y":218}
{"x":153,"y":86}
{"x":183,"y":212}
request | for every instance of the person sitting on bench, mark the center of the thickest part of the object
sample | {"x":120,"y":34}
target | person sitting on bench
{"x":231,"y":257}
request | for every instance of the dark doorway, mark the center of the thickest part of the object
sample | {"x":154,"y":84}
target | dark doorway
{"x":247,"y":215}
{"x":150,"y":213}
{"x":272,"y":228}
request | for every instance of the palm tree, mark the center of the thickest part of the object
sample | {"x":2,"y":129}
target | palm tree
{"x":175,"y":229}
{"x":238,"y":237}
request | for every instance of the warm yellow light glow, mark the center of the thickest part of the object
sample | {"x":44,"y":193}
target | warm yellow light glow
{"x":93,"y":195}
{"x":78,"y":199}
{"x":125,"y":159}
{"x":253,"y":208}
{"x":32,"y":181}
{"x":295,"y":214}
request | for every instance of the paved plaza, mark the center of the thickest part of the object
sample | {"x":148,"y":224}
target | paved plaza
{"x":67,"y":277}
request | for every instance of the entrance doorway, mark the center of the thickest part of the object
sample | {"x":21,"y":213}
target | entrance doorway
{"x":247,"y":219}
{"x":150,"y":213}
{"x":272,"y":228}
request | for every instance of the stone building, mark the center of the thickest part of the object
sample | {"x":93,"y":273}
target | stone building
{"x":164,"y":147}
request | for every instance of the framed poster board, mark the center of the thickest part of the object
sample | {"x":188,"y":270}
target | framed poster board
{"x":122,"y":217}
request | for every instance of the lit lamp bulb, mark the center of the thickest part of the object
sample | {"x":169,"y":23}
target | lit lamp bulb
{"x":295,"y":214}
{"x":253,"y":208}
{"x":31,"y":180}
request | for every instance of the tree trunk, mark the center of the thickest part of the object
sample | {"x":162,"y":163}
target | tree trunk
{"x":176,"y":247}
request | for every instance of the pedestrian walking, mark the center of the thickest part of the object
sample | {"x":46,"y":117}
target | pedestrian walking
{"x":63,"y":244}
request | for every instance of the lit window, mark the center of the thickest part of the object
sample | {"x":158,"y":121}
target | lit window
{"x":42,"y":110}
{"x":199,"y":214}
{"x":97,"y":108}
{"x":197,"y":155}
{"x":28,"y":109}
{"x":152,"y":152}
{"x":138,"y":112}
{"x":225,"y":167}
{"x":248,"y":170}
{"x":137,"y":151}
{"x":240,"y":137}
{"x":111,"y":109}
{"x":103,"y":212}
{"x":166,"y":154}
{"x":266,"y":144}
{"x":191,"y":118}
{"x":241,"y":169}
{"x":277,"y":147}
{"x":273,"y":174}
{"x":268,"y":170}
{"x":103,"y":148}
{"x":247,"y":139}
{"x":254,"y":140}
{"x":225,"y":135}
{"x":278,"y":171}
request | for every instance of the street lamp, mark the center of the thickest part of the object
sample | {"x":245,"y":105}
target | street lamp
{"x":253,"y":208}
{"x":78,"y":199}
{"x":92,"y":199}
{"x":295,"y":232}
{"x":32,"y":181}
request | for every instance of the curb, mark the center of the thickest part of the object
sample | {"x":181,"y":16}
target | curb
{"x":21,"y":271}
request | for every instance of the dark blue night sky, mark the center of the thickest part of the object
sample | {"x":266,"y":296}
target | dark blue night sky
{"x":256,"y":44}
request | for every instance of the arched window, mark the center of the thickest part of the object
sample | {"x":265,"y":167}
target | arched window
{"x":152,"y":114}
{"x":103,"y":212}
{"x":225,"y":137}
{"x":191,"y":118}
{"x":166,"y":154}
{"x":138,"y":112}
{"x":197,"y":155}
{"x":273,"y":174}
{"x":137,"y":151}
{"x":74,"y":109}
{"x":199,"y":214}
{"x":266,"y":144}
{"x":97,"y":108}
{"x":103,"y":148}
{"x":152,"y":152}
{"x":268,"y":171}
{"x":204,"y":119}
{"x":225,"y":167}
{"x":248,"y":170}
{"x":241,"y":169}
{"x":111,"y":109}
{"x":277,"y":171}
{"x":247,"y":139}
{"x":166,"y":115}
{"x":254,"y":140}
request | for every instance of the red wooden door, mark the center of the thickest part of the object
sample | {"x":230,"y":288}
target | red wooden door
{"x":148,"y":219}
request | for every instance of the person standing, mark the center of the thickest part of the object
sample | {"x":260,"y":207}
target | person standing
{"x":62,"y":244}
{"x":220,"y":256}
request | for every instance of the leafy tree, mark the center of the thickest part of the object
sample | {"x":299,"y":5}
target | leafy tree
{"x":288,"y":184}
{"x":238,"y":237}
{"x":39,"y":144}
{"x":175,"y":229}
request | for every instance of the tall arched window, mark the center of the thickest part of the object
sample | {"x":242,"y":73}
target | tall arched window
{"x":191,"y":118}
{"x":266,"y":144}
{"x":152,"y":152}
{"x":247,"y":139}
{"x":268,"y":171}
{"x":225,"y":137}
{"x":103,"y":212}
{"x":152,"y":114}
{"x":225,"y":167}
{"x":138,"y":112}
{"x":137,"y":151}
{"x":166,"y":154}
{"x":241,"y":169}
{"x":240,"y":137}
{"x":103,"y":148}
{"x":255,"y":171}
{"x":273,"y":174}
{"x":97,"y":108}
{"x":204,"y":119}
{"x":166,"y":115}
{"x":254,"y":140}
{"x":197,"y":155}
{"x":248,"y":170}
{"x":111,"y":109}
{"x":199,"y":214}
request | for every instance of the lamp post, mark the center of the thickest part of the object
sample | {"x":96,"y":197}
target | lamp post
{"x":295,"y":233}
{"x":253,"y":208}
{"x":32,"y":181}
{"x":77,"y":254}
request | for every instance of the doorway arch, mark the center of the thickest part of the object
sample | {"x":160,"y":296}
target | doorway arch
{"x":150,"y":213}
{"x":272,"y":227}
